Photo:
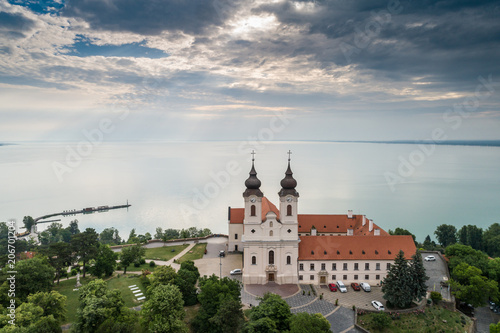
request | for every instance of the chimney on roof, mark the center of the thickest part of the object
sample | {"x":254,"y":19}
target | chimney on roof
{"x":349,"y":214}
{"x":370,"y":228}
{"x":313,"y":231}
{"x":229,"y":213}
{"x":376,"y":232}
{"x":364,"y":220}
{"x":350,"y":232}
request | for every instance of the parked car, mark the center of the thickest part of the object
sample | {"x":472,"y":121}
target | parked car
{"x":365,"y":286}
{"x":355,"y":286}
{"x":222,"y":253}
{"x":236,"y":271}
{"x":377,"y":305}
{"x":430,"y":258}
{"x":492,"y":305}
{"x":332,"y":287}
{"x":341,"y":286}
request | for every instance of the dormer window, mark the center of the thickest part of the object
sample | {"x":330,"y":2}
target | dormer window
{"x":363,"y":251}
{"x":376,"y":252}
{"x":350,"y":252}
{"x":271,"y":224}
{"x":338,"y":252}
{"x":312,"y":252}
{"x":325,"y":252}
{"x":389,"y":251}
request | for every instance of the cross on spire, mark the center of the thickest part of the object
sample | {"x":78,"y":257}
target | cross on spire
{"x":253,"y":155}
{"x":289,"y":153}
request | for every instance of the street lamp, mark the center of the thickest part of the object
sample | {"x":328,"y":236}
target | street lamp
{"x":220,"y":267}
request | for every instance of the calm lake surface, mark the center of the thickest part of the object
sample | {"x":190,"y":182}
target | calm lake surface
{"x":183,"y":184}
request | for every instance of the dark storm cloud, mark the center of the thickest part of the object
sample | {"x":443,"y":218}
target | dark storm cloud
{"x":15,"y":22}
{"x":150,"y":17}
{"x":444,"y":41}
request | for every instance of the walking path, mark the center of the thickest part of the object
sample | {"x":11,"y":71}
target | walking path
{"x":171,"y":261}
{"x":341,"y":319}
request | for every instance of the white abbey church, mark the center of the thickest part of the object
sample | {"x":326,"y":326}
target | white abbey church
{"x":283,"y":246}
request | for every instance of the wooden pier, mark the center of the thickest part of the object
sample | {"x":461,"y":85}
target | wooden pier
{"x":88,"y":210}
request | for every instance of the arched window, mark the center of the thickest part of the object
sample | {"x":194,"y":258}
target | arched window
{"x":254,"y":260}
{"x":289,"y":210}
{"x":270,"y":232}
{"x":288,"y":260}
{"x":271,"y":257}
{"x":271,"y":224}
{"x":252,"y":210}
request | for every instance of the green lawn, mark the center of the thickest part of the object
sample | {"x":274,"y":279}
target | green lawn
{"x":164,"y":253}
{"x":433,"y":319}
{"x":121,"y":283}
{"x":196,"y":252}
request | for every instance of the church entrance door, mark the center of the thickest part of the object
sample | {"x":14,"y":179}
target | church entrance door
{"x":322,"y":279}
{"x":270,"y":277}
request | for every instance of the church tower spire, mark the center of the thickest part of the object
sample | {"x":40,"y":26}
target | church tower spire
{"x":253,"y":183}
{"x":288,"y":183}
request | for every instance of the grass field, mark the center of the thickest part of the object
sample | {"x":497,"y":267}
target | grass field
{"x":196,"y":252}
{"x":121,"y":283}
{"x":432,"y":319}
{"x":164,"y":253}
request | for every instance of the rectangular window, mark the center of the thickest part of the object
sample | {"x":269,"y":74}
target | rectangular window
{"x":367,"y":266}
{"x":345,"y":277}
{"x":377,"y":266}
{"x":377,"y":277}
{"x":311,"y":277}
{"x":334,"y":277}
{"x":323,"y":267}
{"x":367,"y":277}
{"x":311,"y":267}
{"x":235,"y":236}
{"x":345,"y":266}
{"x":388,"y":266}
{"x":334,"y":267}
{"x":301,"y":267}
{"x":355,"y":277}
{"x":355,"y":266}
{"x":301,"y":278}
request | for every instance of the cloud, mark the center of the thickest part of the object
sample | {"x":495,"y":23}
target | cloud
{"x":147,"y":17}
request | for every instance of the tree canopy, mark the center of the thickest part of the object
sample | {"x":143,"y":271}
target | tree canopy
{"x":131,"y":254}
{"x":163,"y":311}
{"x":446,"y":234}
{"x":85,"y":246}
{"x":470,"y":286}
{"x":397,"y":286}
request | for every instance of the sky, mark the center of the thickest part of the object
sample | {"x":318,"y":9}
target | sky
{"x":242,"y":69}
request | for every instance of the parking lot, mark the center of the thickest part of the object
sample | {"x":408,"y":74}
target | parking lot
{"x":436,"y":271}
{"x":361,"y":299}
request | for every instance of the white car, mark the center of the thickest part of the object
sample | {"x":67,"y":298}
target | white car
{"x":236,"y":271}
{"x":377,"y":305}
{"x":430,"y":258}
{"x":365,"y":286}
{"x":341,"y":287}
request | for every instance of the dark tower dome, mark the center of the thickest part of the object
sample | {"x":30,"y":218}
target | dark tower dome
{"x":253,"y":183}
{"x":288,"y":183}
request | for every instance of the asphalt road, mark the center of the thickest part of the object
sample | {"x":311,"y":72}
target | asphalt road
{"x":436,"y":270}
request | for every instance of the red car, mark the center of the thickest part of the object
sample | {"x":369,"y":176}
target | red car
{"x":355,"y":286}
{"x":332,"y":287}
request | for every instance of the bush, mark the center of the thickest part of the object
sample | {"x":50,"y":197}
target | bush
{"x":137,"y":264}
{"x":119,"y":267}
{"x":74,"y":271}
{"x":152,"y":264}
{"x":63,"y":274}
{"x":436,"y":297}
{"x":381,"y":320}
{"x":142,"y":261}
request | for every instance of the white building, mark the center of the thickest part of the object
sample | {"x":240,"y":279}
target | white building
{"x":282,"y":246}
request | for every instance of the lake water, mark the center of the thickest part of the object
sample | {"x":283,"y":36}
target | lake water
{"x":183,"y":184}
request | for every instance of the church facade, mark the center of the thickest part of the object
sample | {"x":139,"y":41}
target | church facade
{"x":279,"y":245}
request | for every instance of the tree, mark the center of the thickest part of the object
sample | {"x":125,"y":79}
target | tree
{"x":401,"y":231}
{"x":28,"y":222}
{"x":397,"y":286}
{"x":469,"y":286}
{"x":419,"y":277}
{"x":495,"y":328}
{"x":163,"y":311}
{"x":162,"y":275}
{"x":104,"y":263}
{"x":186,"y":279}
{"x":33,"y":275}
{"x":102,"y":310}
{"x":471,"y":235}
{"x":52,"y":303}
{"x":229,"y":316}
{"x":272,"y":306}
{"x":311,"y":323}
{"x":159,"y":233}
{"x":110,"y":236}
{"x":85,"y":246}
{"x":170,"y":234}
{"x":60,"y":257}
{"x":491,"y":238}
{"x":463,"y":253}
{"x":446,"y":234}
{"x":131,"y":254}
{"x":494,"y":269}
{"x":213,"y":292}
{"x":132,"y":237}
{"x":73,"y":227}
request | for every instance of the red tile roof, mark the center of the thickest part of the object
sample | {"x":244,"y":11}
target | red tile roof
{"x":352,"y":247}
{"x":336,"y":224}
{"x":268,"y":206}
{"x":236,"y":215}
